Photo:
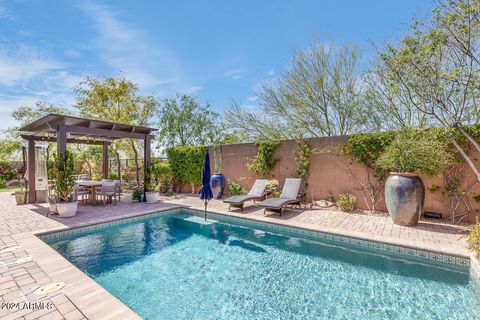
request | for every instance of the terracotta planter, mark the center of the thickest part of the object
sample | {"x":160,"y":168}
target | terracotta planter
{"x":404,"y":197}
{"x":53,"y":208}
{"x":67,"y":209}
{"x":21,"y":197}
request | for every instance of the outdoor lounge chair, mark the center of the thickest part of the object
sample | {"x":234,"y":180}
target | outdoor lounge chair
{"x":289,"y":196}
{"x":257,"y":192}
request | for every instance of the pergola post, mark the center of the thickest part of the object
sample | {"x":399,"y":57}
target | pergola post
{"x":146,"y":160}
{"x":61,"y":140}
{"x":105,"y":169}
{"x":32,"y":197}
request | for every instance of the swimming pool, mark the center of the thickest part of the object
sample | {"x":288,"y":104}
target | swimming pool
{"x":174,"y":266}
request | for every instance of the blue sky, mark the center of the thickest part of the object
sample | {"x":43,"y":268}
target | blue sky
{"x":216,"y":50}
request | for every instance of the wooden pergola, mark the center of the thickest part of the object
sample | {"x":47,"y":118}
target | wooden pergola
{"x":64,"y":129}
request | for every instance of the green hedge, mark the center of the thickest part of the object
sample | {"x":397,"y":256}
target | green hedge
{"x":186,"y":163}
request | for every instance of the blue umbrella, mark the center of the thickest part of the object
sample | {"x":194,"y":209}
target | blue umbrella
{"x":206,"y":191}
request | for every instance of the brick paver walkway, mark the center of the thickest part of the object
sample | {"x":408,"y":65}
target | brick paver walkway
{"x":82,"y":298}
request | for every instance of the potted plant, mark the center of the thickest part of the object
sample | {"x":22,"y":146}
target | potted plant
{"x":151,"y":195}
{"x":217,"y":181}
{"x":21,"y":195}
{"x":150,"y":188}
{"x":65,"y":185}
{"x":411,"y":153}
{"x":137,"y":195}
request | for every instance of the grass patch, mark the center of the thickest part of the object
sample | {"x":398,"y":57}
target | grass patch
{"x":10,"y":189}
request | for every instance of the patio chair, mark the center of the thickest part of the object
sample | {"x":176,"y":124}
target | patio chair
{"x":289,"y":196}
{"x":82,"y":177}
{"x":82,"y":192}
{"x":257,"y":192}
{"x":118,"y":190}
{"x":107,"y":192}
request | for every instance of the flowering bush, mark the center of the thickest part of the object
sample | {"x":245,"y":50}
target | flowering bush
{"x":273,"y":185}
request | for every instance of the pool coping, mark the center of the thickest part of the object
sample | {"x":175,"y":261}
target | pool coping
{"x":97,"y":303}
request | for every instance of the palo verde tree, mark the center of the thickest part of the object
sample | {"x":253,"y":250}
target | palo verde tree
{"x":184,"y":122}
{"x":319,"y":95}
{"x":116,"y":100}
{"x":437,"y":67}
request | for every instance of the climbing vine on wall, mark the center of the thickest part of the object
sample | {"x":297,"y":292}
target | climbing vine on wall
{"x":302,"y":155}
{"x":366,"y":148}
{"x":264,"y":162}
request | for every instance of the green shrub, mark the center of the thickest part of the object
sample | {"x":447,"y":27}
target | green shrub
{"x":417,"y":151}
{"x":113,"y":176}
{"x":346,"y":202}
{"x":7,"y":171}
{"x":3,"y":183}
{"x":186,"y":163}
{"x":473,"y":238}
{"x":235,"y":188}
{"x":273,"y":185}
{"x":162,"y":173}
{"x":263,"y":163}
{"x":137,"y":195}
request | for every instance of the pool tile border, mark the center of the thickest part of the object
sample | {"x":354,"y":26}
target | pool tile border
{"x":435,"y":257}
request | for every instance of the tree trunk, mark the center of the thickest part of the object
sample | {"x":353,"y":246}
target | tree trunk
{"x":464,"y":155}
{"x":137,"y":169}
{"x":119,"y":165}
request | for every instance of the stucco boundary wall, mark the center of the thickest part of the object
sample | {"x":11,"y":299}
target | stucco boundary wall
{"x":332,"y":174}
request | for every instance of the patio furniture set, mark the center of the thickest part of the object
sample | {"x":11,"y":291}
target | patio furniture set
{"x":290,"y":196}
{"x":90,"y":191}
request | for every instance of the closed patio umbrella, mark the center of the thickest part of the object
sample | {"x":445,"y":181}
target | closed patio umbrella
{"x":205,"y":191}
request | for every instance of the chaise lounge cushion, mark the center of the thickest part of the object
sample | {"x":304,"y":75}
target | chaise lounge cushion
{"x":290,"y":192}
{"x":255,"y":192}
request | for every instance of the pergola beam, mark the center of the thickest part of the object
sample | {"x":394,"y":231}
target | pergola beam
{"x":105,"y":132}
{"x":69,"y":140}
{"x":61,"y":140}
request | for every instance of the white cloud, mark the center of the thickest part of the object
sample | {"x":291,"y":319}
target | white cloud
{"x":270,"y":73}
{"x":22,"y":64}
{"x":127,"y":48}
{"x":6,"y":13}
{"x":252,"y":99}
{"x":234,"y":74}
{"x":191,"y":90}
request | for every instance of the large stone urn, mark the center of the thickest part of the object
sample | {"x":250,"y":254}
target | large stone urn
{"x":217,"y":183}
{"x":404,"y":197}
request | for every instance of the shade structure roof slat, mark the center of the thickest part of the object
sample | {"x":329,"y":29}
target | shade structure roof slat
{"x":84,"y":127}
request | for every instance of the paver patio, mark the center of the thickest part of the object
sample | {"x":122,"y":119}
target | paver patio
{"x":83,"y":298}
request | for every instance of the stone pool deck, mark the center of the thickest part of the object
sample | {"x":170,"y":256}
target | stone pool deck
{"x":83,"y":298}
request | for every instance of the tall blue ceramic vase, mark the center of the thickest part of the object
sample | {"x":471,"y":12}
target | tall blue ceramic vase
{"x":217,"y":183}
{"x":404,"y":197}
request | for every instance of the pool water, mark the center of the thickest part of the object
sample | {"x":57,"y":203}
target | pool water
{"x":173,"y":266}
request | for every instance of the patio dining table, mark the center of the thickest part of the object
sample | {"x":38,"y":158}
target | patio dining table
{"x":92,"y":186}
